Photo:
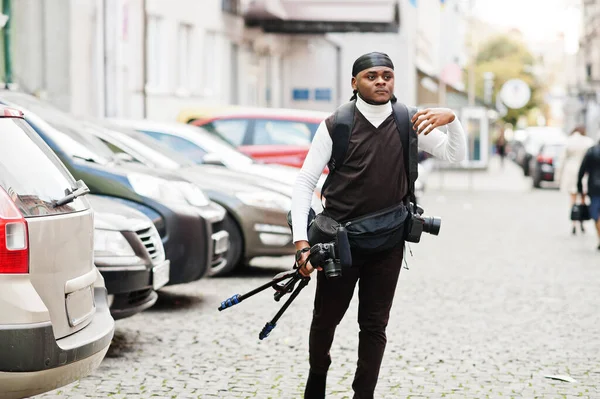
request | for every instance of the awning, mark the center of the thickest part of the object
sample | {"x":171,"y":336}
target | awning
{"x":323,"y":16}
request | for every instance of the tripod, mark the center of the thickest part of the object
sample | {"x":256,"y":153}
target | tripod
{"x":281,"y":289}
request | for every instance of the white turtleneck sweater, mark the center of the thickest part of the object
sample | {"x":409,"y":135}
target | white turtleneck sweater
{"x":450,"y":146}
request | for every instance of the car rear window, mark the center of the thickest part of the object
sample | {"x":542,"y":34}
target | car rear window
{"x":282,"y":132}
{"x":552,"y":150}
{"x":30,"y":172}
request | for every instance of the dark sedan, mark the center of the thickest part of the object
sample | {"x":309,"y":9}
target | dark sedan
{"x":256,"y":206}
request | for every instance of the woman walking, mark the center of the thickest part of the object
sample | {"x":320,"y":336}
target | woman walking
{"x":569,"y":161}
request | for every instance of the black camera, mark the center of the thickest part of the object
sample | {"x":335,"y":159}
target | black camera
{"x":332,"y":256}
{"x":324,"y":255}
{"x":417,"y":224}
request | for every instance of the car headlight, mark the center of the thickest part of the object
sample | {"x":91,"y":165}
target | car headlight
{"x":171,"y":192}
{"x":111,"y":243}
{"x":267,"y":200}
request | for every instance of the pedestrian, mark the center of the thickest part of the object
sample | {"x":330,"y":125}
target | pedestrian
{"x":371,"y":178}
{"x":590,"y":167}
{"x":569,"y":162}
{"x":501,"y":147}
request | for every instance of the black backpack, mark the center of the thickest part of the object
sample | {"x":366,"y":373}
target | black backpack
{"x":343,"y":124}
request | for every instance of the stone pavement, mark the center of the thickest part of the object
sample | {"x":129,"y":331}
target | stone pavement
{"x":501,"y":299}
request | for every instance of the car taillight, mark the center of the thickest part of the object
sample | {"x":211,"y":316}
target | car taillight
{"x":544,"y":159}
{"x":14,"y":245}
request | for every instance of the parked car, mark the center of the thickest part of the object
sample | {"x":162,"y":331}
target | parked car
{"x":188,"y":222}
{"x":256,"y":206}
{"x":544,"y":164}
{"x":202,"y":147}
{"x":55,"y":324}
{"x":271,"y":135}
{"x":129,"y":254}
{"x":535,"y":137}
{"x":516,"y":144}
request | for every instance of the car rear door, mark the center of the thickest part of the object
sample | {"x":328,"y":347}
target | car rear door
{"x":58,"y":241}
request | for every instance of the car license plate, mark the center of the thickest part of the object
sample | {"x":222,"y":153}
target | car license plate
{"x":160,"y":275}
{"x":220,"y":242}
{"x":80,"y":305}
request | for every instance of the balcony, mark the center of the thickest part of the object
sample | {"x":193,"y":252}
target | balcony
{"x":323,"y":16}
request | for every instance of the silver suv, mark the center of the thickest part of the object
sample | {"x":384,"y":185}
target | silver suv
{"x":55,"y":325}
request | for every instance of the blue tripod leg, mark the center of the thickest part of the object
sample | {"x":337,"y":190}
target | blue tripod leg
{"x":273,"y":323}
{"x":234,"y":300}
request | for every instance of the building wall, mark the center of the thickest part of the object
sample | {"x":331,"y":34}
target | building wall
{"x":589,"y":63}
{"x":41,"y":47}
{"x":88,"y":57}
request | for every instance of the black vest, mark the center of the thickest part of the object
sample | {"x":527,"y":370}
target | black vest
{"x":373,"y":175}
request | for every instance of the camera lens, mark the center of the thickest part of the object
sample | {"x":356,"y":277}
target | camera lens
{"x":432,"y":225}
{"x":332,"y":269}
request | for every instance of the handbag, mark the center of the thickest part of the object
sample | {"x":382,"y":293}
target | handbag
{"x":580,"y":212}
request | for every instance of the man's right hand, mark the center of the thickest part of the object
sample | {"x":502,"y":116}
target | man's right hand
{"x":305,"y":268}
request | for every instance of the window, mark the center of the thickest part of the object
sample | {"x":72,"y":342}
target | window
{"x":232,"y":130}
{"x":231,"y":6}
{"x":178,"y":144}
{"x":184,"y":81}
{"x":156,"y":58}
{"x":30,"y":173}
{"x":278,"y":132}
{"x":209,"y":66}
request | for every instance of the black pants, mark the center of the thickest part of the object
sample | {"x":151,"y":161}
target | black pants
{"x":377,"y":278}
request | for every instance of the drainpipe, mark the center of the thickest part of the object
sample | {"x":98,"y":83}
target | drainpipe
{"x":7,"y":52}
{"x":144,"y":59}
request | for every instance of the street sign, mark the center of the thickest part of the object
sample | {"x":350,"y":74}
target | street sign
{"x":515,"y":93}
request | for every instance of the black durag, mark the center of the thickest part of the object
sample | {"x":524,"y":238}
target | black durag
{"x":371,"y":60}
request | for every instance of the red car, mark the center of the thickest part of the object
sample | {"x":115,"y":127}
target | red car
{"x":269,"y":135}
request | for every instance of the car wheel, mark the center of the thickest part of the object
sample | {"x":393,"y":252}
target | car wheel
{"x":236,"y":248}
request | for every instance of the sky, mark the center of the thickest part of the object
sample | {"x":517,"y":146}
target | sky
{"x":537,"y":19}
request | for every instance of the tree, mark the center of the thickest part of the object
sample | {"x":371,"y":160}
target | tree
{"x":508,"y":58}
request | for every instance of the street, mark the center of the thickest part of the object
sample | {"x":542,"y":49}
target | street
{"x":502,"y":299}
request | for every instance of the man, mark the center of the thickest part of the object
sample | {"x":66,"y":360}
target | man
{"x":591,"y":166}
{"x":372,"y":177}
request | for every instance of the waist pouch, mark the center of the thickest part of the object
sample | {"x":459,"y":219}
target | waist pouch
{"x":375,"y":232}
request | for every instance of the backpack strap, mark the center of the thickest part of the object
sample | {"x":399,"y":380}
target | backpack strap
{"x":343,"y":123}
{"x":410,"y":146}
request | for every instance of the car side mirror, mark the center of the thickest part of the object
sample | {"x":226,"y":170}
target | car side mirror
{"x":212,"y":158}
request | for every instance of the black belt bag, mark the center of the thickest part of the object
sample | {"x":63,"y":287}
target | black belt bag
{"x":375,"y":232}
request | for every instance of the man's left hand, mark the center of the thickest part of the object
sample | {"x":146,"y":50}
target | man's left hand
{"x":428,"y":119}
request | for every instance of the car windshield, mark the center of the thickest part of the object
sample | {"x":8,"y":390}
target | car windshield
{"x":69,"y":133}
{"x":203,"y":143}
{"x":147,"y":150}
{"x":536,"y":137}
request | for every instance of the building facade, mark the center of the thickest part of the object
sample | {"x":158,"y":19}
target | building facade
{"x":583,"y":106}
{"x":151,"y":58}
